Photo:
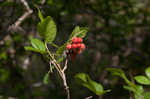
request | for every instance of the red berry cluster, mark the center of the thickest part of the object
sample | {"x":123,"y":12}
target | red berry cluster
{"x":76,"y":44}
{"x":76,"y":47}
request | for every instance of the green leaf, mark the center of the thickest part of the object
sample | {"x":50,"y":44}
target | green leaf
{"x":137,"y":90}
{"x":96,"y":87}
{"x":82,"y":33}
{"x":45,"y":80}
{"x":78,"y":32}
{"x":147,"y":71}
{"x":129,"y":88}
{"x":120,"y":73}
{"x":142,"y":80}
{"x":47,"y":29}
{"x":116,"y":72}
{"x":40,"y":15}
{"x":37,"y":46}
{"x":30,"y":48}
{"x":138,"y":96}
{"x":146,"y":95}
{"x":82,"y":77}
{"x":140,"y":89}
{"x":84,"y":80}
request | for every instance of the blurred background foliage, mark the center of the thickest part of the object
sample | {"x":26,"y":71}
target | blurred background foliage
{"x":119,"y":32}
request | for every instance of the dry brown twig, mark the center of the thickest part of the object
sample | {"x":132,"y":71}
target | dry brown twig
{"x":60,"y":70}
{"x":90,"y":97}
{"x":16,"y":25}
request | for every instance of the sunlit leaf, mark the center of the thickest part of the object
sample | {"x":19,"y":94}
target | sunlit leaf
{"x":129,"y":88}
{"x":78,"y":32}
{"x":120,"y":73}
{"x":142,"y":80}
{"x":84,"y":80}
{"x":147,"y":71}
{"x":47,"y":29}
{"x":40,"y":15}
{"x":37,"y":46}
{"x":45,"y":80}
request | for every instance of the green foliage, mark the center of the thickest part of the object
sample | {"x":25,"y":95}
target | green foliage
{"x":136,"y":89}
{"x":4,"y":76}
{"x":147,"y":71}
{"x":118,"y":72}
{"x":84,"y":80}
{"x":142,"y":80}
{"x":3,"y":55}
{"x":78,"y":32}
{"x":45,"y":80}
{"x":37,"y":46}
{"x":40,"y":15}
{"x":47,"y":29}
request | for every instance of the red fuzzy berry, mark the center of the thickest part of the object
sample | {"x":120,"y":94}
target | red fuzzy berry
{"x":68,"y":46}
{"x":79,"y":40}
{"x":82,"y":46}
{"x":74,"y":46}
{"x":74,"y":39}
{"x":78,"y":45}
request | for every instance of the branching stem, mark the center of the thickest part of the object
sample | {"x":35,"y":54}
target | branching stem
{"x":16,"y":25}
{"x":60,"y":70}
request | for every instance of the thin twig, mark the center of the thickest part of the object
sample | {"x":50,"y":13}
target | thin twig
{"x":90,"y":97}
{"x":50,"y":66}
{"x":16,"y":25}
{"x":66,"y":86}
{"x":60,"y":71}
{"x":52,"y":60}
{"x":65,"y":67}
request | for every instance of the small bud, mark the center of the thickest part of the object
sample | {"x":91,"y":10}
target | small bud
{"x":74,"y":39}
{"x":68,"y":46}
{"x":82,"y":46}
{"x":79,"y":40}
{"x":74,"y":46}
{"x":78,"y":45}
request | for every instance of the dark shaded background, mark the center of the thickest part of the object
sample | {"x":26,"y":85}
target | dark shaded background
{"x":118,"y":37}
